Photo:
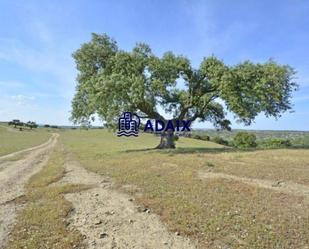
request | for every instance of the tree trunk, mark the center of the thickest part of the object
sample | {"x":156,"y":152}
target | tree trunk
{"x":167,"y":141}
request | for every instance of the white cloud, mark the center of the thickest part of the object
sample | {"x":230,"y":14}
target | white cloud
{"x":22,"y":99}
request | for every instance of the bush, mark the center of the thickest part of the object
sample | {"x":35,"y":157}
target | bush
{"x":201,"y":137}
{"x":220,"y":140}
{"x":205,"y":137}
{"x":244,"y":140}
{"x":276,"y":143}
{"x":197,"y":137}
{"x":176,"y":138}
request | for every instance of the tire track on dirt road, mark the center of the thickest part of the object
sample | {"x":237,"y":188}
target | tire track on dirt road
{"x":14,"y":175}
{"x":108,"y":219}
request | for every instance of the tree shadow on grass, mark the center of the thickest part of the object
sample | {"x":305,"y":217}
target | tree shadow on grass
{"x":185,"y":150}
{"x":299,"y":147}
{"x":201,"y":150}
{"x":193,"y":150}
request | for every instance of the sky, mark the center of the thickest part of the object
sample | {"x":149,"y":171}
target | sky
{"x":37,"y":39}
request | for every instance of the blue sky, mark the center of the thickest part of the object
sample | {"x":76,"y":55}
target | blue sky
{"x":37,"y":38}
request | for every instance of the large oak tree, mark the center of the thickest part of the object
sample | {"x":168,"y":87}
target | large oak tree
{"x":111,"y":81}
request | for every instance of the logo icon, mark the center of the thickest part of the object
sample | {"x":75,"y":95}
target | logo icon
{"x":128,"y":124}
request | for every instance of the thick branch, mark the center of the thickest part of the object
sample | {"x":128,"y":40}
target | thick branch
{"x":199,"y":113}
{"x":147,"y":109}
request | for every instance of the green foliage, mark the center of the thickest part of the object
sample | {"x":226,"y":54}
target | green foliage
{"x":276,"y":143}
{"x":219,"y":140}
{"x":201,"y":137}
{"x":31,"y":124}
{"x":175,"y":138}
{"x":111,"y":81}
{"x":16,"y":122}
{"x":244,"y":140}
{"x":302,"y":141}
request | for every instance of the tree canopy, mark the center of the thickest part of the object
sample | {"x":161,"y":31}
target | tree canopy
{"x":111,"y":81}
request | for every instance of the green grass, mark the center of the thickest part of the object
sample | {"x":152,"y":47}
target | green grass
{"x":12,"y":140}
{"x":41,"y":224}
{"x":215,"y":212}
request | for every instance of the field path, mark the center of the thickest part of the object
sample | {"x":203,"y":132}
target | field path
{"x":280,"y":186}
{"x":109,"y":219}
{"x":13,"y":176}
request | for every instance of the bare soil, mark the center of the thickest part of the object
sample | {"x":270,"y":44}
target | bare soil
{"x":13,"y":176}
{"x":109,"y":219}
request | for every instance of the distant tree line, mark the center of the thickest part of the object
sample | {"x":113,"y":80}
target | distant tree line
{"x":19,"y":124}
{"x":51,"y":126}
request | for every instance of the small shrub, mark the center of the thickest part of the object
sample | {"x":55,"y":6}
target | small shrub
{"x":205,"y":138}
{"x":244,"y":140}
{"x":176,"y":138}
{"x":273,"y":143}
{"x":197,"y":137}
{"x":219,"y":140}
{"x":201,"y":137}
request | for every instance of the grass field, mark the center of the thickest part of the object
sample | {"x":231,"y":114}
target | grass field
{"x":218,"y":213}
{"x":12,"y":140}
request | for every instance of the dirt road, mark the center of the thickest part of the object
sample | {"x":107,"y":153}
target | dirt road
{"x":109,"y":219}
{"x":13,"y":175}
